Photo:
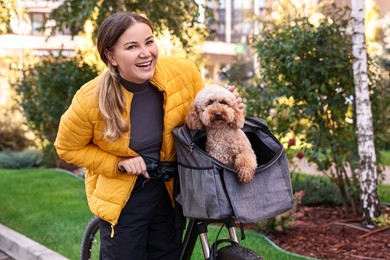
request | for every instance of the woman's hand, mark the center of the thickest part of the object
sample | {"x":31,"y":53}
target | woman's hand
{"x":134,"y":165}
{"x":238,"y":98}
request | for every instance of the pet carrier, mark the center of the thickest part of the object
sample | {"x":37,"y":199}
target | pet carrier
{"x":210,"y":189}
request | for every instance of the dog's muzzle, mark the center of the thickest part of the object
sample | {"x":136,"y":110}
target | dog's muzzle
{"x":218,"y":116}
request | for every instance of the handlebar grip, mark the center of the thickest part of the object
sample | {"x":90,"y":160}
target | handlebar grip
{"x":150,"y":166}
{"x":122,"y":169}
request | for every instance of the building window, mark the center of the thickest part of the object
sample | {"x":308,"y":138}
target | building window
{"x":38,"y":20}
{"x":242,"y":4}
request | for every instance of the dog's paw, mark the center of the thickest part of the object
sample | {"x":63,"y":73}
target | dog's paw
{"x":245,"y":164}
{"x":245,"y":175}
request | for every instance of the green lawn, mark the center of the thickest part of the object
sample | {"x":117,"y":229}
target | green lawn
{"x":49,"y":206}
{"x":385,"y":157}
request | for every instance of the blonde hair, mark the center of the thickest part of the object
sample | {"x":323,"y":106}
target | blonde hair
{"x":112,"y":102}
{"x":112,"y":105}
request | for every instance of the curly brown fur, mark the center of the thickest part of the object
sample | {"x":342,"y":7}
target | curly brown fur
{"x":216,"y":109}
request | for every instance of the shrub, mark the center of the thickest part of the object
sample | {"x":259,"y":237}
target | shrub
{"x":46,"y":90}
{"x":318,"y":191}
{"x":13,"y":139}
{"x":12,"y":132}
{"x":18,"y":160}
{"x":383,"y":220}
{"x":307,"y":66}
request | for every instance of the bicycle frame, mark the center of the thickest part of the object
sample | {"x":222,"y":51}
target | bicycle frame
{"x":197,"y":228}
{"x":194,"y":229}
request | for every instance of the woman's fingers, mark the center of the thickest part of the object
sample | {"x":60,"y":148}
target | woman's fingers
{"x":134,"y":165}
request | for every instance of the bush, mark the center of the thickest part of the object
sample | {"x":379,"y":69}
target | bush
{"x":318,"y":191}
{"x":18,"y":160}
{"x":275,"y":225}
{"x":12,"y":132}
{"x":307,"y":67}
{"x":13,"y":139}
{"x":45,"y":92}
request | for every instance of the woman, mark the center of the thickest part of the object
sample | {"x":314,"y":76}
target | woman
{"x":120,"y":120}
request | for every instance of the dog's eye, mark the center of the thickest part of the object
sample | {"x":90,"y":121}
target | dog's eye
{"x":210,"y":102}
{"x":223,"y":102}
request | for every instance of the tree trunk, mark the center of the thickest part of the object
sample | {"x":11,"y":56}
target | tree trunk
{"x":365,"y":133}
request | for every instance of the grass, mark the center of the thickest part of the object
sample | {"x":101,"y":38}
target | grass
{"x":45,"y":205}
{"x":384,"y":193}
{"x":385,"y":157}
{"x":50,"y":207}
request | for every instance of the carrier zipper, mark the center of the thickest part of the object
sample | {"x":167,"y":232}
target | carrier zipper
{"x":193,"y":147}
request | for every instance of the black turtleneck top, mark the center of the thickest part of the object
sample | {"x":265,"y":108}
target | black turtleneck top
{"x":146,"y":118}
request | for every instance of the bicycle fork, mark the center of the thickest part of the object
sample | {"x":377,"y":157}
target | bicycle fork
{"x":197,"y":228}
{"x":204,"y":240}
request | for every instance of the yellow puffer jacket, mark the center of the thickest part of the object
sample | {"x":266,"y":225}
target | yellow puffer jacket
{"x":80,"y":135}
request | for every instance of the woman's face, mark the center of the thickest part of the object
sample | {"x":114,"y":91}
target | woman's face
{"x":135,"y":53}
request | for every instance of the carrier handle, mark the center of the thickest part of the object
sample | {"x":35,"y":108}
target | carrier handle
{"x":256,"y":122}
{"x":193,"y":134}
{"x":249,"y":121}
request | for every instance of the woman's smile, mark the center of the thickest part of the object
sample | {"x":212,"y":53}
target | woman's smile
{"x":135,"y":54}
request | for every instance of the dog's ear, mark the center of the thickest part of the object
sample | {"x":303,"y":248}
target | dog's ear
{"x":239,"y":117}
{"x":192,"y":119}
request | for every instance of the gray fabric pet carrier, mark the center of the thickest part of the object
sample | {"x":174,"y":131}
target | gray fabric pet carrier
{"x":210,"y":190}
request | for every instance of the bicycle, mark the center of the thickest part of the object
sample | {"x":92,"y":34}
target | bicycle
{"x":90,"y":246}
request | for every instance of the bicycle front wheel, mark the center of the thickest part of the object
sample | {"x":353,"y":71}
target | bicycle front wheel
{"x":90,"y":245}
{"x":237,"y":252}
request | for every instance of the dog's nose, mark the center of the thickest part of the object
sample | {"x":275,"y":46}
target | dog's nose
{"x":218,"y":115}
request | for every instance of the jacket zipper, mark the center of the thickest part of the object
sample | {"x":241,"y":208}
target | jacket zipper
{"x":116,"y":222}
{"x":112,"y":229}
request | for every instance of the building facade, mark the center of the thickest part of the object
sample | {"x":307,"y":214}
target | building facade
{"x":231,"y":28}
{"x":229,"y":33}
{"x":27,"y":36}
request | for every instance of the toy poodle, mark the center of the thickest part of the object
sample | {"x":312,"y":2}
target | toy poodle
{"x":216,"y":109}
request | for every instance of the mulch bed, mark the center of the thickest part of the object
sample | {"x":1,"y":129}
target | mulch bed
{"x":327,"y":233}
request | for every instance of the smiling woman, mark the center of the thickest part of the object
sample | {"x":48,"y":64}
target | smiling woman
{"x":120,"y":120}
{"x":135,"y":53}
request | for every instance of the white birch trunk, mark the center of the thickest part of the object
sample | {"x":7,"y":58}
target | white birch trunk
{"x":365,"y":133}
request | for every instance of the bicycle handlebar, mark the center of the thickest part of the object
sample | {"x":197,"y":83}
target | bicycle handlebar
{"x":157,"y":169}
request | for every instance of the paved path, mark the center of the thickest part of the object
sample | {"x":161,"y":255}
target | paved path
{"x":310,"y":168}
{"x":4,"y":256}
{"x":20,"y":247}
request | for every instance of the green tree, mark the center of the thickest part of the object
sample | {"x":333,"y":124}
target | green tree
{"x":8,"y":9}
{"x":45,"y":91}
{"x":384,"y":61}
{"x":307,"y":67}
{"x":177,"y":16}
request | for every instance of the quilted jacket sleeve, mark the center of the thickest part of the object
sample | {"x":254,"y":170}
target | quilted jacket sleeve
{"x":74,"y":142}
